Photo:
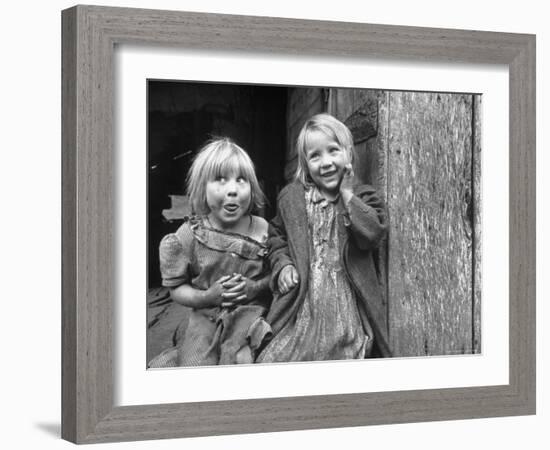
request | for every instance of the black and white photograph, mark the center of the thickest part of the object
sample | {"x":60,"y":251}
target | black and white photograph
{"x":267,"y":225}
{"x":294,"y":224}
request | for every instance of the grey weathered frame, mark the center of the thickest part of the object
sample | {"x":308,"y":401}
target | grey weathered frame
{"x":89,"y":36}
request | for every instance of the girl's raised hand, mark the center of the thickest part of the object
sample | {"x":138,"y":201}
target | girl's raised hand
{"x":288,"y":278}
{"x":346,"y":186}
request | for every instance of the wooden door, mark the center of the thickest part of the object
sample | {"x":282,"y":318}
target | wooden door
{"x":422,"y":152}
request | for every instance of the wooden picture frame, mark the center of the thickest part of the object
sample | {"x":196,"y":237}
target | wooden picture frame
{"x":89,"y":35}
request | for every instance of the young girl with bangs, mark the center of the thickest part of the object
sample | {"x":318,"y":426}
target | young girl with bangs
{"x":327,"y":303}
{"x":215,"y":262}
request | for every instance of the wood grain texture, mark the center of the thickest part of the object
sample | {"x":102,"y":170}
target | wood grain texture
{"x":522,"y":282}
{"x":478,"y":223}
{"x":427,"y":308}
{"x":302,"y":104}
{"x":89,"y":159}
{"x":430,"y":252}
{"x":370,"y":153}
{"x":69,"y":241}
{"x":90,"y":34}
{"x":299,"y":413}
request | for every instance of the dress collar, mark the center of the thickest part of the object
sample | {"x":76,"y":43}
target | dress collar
{"x":316,"y":196}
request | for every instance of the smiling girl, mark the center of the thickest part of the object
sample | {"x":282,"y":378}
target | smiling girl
{"x":327,"y":300}
{"x":215,"y":262}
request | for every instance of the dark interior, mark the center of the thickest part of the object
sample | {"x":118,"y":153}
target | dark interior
{"x":182,"y":116}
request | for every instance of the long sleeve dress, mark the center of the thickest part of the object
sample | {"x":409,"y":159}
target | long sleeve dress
{"x":332,"y":248}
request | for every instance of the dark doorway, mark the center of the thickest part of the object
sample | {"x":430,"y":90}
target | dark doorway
{"x":182,"y":116}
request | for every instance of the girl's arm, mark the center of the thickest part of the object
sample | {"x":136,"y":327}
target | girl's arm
{"x":187,"y":295}
{"x":240,"y":290}
{"x":259,"y":287}
{"x":175,"y":254}
{"x":367,"y":216}
{"x":279,"y":254}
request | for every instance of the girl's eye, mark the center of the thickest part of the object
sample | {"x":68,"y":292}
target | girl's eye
{"x":220,"y":179}
{"x":241,"y":180}
{"x":334,"y":149}
{"x":313,"y":156}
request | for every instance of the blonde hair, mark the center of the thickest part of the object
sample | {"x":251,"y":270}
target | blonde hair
{"x":332,"y":128}
{"x":216,"y":158}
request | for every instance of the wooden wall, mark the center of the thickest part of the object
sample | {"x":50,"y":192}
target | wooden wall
{"x":422,"y":152}
{"x":302,"y":103}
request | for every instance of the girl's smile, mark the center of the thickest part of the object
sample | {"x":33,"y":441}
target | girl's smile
{"x":228,"y":197}
{"x":326,"y":162}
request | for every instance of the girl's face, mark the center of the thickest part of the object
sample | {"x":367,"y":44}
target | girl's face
{"x":326,"y":162}
{"x":228,"y":197}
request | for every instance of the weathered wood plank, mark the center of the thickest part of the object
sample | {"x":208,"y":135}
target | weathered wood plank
{"x":477,"y":236}
{"x":430,"y":250}
{"x":69,"y":141}
{"x":302,"y":104}
{"x":378,"y":147}
{"x":359,"y":109}
{"x":370,"y":162}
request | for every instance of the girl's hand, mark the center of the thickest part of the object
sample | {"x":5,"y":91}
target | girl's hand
{"x":288,"y":278}
{"x":214,"y":294}
{"x":346,"y":186}
{"x":238,"y":290}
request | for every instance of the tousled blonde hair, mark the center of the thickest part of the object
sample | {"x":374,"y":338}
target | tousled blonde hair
{"x":333,"y":129}
{"x":219,"y":157}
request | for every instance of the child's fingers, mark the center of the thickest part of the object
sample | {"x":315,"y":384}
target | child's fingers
{"x":236,"y":287}
{"x":287,"y":283}
{"x":234,"y":278}
{"x":240,"y":298}
{"x":233,"y":295}
{"x":233,"y":302}
{"x":233,"y":281}
{"x":295,"y":277}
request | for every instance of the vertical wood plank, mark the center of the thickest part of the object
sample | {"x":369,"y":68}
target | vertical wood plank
{"x":302,"y":104}
{"x":69,"y":201}
{"x":430,"y":253}
{"x":378,"y":146}
{"x":522,"y":258}
{"x":93,"y":159}
{"x":477,"y":219}
{"x":359,"y":109}
{"x":370,"y":154}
